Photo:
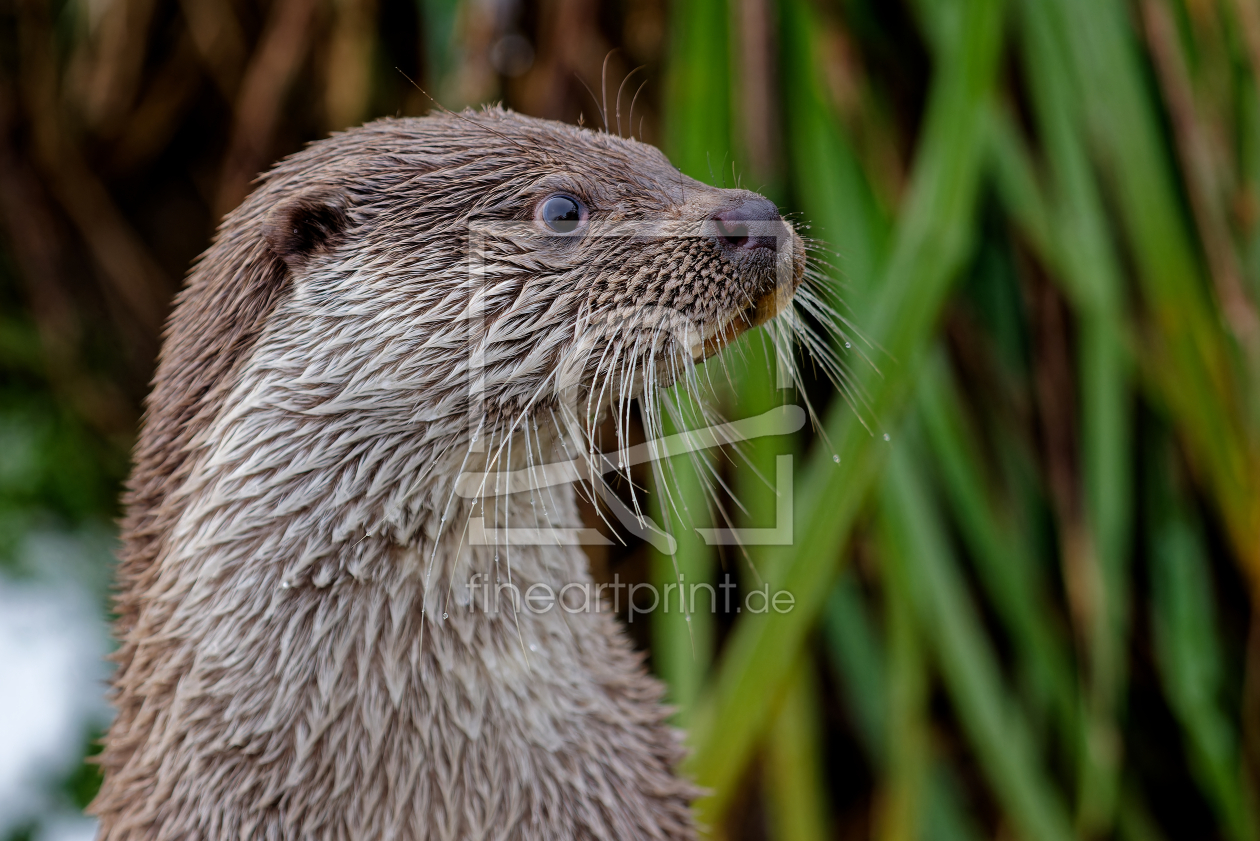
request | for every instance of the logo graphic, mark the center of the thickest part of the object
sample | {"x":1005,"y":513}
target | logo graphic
{"x":659,"y":322}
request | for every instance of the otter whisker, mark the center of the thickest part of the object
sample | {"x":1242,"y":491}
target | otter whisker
{"x":595,"y":101}
{"x":507,"y":557}
{"x":661,"y":462}
{"x":592,"y":399}
{"x":589,"y":485}
{"x":625,"y":79}
{"x":472,"y":442}
{"x":522,"y":414}
{"x":525,"y":149}
{"x":672,"y":408}
{"x":815,"y":421}
{"x":823,"y":353}
{"x":428,"y":567}
{"x":633,"y":100}
{"x":601,"y":491}
{"x":542,"y":458}
{"x":707,"y":471}
{"x":625,"y":399}
{"x":603,"y":87}
{"x":534,"y":485}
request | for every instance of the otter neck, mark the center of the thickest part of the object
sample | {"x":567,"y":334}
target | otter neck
{"x":317,"y":664}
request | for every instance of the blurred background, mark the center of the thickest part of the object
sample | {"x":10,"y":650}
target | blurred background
{"x":1026,"y":543}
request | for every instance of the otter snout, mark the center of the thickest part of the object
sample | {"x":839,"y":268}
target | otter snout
{"x":752,"y":224}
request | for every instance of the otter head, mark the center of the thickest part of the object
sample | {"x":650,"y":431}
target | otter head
{"x":498,"y":260}
{"x":455,"y":278}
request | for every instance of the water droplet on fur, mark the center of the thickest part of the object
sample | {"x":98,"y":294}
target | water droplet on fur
{"x":835,"y":457}
{"x":533,"y":647}
{"x":887,"y":437}
{"x":285,"y":585}
{"x":446,"y":616}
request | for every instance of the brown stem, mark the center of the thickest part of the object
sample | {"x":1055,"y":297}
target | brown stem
{"x":349,"y":64}
{"x":757,"y":85}
{"x":111,"y":64}
{"x":217,"y":35}
{"x":130,"y":272}
{"x":1201,"y":179}
{"x":1248,"y":13}
{"x":272,"y":71}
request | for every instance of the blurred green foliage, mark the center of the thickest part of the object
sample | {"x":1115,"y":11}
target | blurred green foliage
{"x":1027,"y":540}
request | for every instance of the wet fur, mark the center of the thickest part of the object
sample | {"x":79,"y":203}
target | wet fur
{"x":282,"y":672}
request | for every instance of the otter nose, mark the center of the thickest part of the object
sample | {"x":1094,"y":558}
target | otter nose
{"x":753,"y":223}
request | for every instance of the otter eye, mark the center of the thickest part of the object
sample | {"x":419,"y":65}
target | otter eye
{"x":561,"y":213}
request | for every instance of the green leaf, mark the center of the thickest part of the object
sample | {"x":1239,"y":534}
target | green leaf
{"x":994,"y":725}
{"x":932,"y":241}
{"x":697,"y":117}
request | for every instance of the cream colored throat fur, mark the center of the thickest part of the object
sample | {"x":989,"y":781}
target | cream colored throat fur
{"x":299,"y":654}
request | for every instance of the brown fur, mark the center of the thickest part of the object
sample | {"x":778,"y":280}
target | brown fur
{"x":287,"y":665}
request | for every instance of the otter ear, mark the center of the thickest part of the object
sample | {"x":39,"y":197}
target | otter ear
{"x":301,"y":226}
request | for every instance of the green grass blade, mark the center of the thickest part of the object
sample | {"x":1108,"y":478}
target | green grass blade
{"x":441,"y":48}
{"x":898,"y":817}
{"x":1017,"y":184}
{"x":932,"y":242}
{"x":1133,"y":821}
{"x":682,"y":640}
{"x":1189,"y":656}
{"x":1089,"y":268}
{"x":794,"y":766}
{"x":858,"y":654}
{"x":1189,"y":359}
{"x":697,"y":124}
{"x":1005,"y":564}
{"x":994,"y":725}
{"x":697,"y":117}
{"x":826,"y":177}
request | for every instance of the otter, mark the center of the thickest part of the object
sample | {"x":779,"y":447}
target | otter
{"x":297,"y":656}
